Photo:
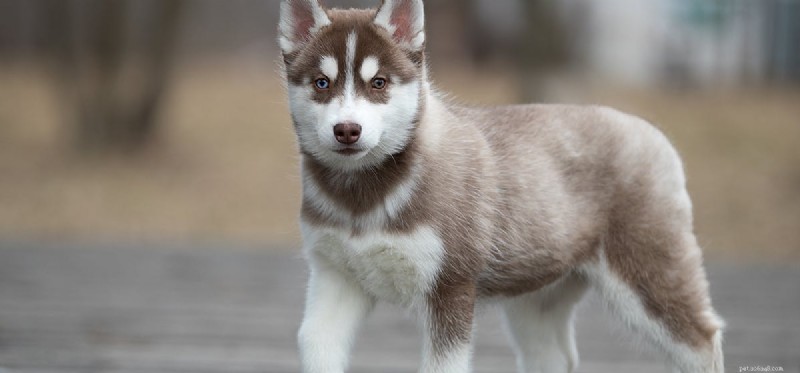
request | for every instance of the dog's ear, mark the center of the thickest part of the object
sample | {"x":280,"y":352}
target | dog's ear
{"x":405,"y":20}
{"x":300,"y":19}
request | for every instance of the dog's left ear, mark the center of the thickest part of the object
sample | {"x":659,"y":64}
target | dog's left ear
{"x":300,"y":20}
{"x":405,"y":20}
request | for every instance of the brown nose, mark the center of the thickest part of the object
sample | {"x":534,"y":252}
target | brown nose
{"x":347,"y":133}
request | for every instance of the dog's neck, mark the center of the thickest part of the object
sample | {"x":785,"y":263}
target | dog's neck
{"x":359,"y":191}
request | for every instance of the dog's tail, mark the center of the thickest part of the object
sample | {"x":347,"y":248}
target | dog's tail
{"x":717,"y":357}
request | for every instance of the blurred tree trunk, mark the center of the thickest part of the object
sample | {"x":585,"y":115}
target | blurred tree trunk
{"x":113,"y":59}
{"x":544,"y":48}
{"x":529,"y":34}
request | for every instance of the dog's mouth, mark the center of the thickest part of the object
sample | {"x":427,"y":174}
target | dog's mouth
{"x":349,"y":151}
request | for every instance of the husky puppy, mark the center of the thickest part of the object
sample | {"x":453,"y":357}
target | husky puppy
{"x":435,"y":207}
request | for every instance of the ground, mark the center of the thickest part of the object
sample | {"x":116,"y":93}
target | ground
{"x":127,"y":308}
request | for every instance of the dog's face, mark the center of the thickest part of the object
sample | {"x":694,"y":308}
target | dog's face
{"x":355,"y":79}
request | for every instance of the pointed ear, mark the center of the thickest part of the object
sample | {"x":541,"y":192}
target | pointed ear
{"x":405,"y":20}
{"x":300,"y":19}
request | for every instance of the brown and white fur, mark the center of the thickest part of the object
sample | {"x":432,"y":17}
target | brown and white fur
{"x":438,"y":208}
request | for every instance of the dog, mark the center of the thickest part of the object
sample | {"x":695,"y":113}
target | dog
{"x":440,"y":208}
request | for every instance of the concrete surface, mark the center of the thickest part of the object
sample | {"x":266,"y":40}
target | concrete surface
{"x":128,"y":308}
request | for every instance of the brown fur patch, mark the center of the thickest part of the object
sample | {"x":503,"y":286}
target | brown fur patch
{"x":396,"y":65}
{"x":360,"y":191}
{"x":451,"y":308}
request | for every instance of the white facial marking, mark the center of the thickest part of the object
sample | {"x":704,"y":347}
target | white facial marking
{"x":330,"y":67}
{"x":369,"y":68}
{"x":386,"y":127}
{"x":350,"y":58}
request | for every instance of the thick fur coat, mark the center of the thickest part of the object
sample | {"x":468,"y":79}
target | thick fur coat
{"x":436,"y":207}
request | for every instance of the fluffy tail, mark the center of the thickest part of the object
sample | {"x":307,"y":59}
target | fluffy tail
{"x":715,"y":362}
{"x":717,"y":357}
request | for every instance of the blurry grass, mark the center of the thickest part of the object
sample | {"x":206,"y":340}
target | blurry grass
{"x":226,"y":169}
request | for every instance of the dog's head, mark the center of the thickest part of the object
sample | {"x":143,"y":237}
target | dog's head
{"x":355,"y":79}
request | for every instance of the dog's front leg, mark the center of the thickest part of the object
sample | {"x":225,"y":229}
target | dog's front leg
{"x":448,"y":330}
{"x":335,"y":307}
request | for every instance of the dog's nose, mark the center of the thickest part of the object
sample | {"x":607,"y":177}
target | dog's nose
{"x":347,"y":133}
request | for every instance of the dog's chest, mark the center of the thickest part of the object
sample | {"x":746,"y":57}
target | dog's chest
{"x":395,"y":267}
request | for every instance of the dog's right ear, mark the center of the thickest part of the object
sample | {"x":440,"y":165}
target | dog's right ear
{"x":300,"y":20}
{"x":405,"y":21}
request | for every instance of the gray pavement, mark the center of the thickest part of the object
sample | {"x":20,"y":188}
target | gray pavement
{"x":127,"y":308}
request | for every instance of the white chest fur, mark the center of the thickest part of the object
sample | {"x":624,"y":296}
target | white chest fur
{"x":394,"y":267}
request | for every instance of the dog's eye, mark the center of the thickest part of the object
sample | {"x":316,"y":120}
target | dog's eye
{"x":379,"y":83}
{"x":322,"y":84}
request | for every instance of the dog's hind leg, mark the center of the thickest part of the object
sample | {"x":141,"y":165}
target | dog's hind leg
{"x":650,"y":268}
{"x":661,"y":294}
{"x":541,"y":328}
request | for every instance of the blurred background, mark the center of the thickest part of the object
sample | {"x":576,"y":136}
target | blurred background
{"x":149,"y":187}
{"x":165,"y":120}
